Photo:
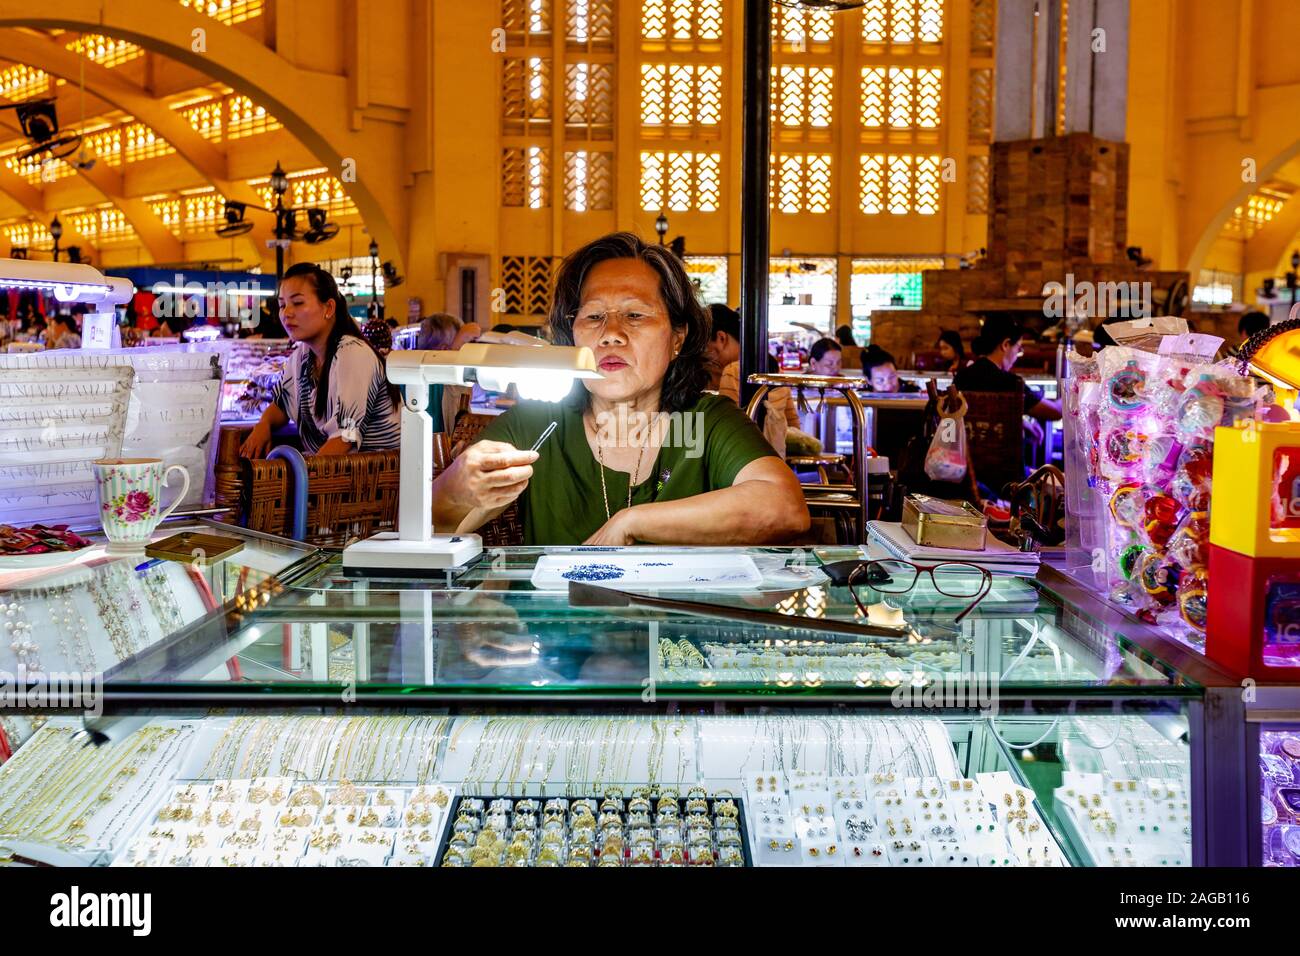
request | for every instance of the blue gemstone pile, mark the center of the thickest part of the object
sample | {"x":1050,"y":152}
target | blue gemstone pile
{"x":593,"y":572}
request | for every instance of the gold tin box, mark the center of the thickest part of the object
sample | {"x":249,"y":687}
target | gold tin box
{"x":938,"y":523}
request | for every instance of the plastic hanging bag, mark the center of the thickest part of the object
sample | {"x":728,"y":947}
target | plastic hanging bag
{"x":946,"y":458}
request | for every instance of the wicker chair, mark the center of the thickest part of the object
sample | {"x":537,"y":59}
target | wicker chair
{"x":995,"y":438}
{"x":356,"y":495}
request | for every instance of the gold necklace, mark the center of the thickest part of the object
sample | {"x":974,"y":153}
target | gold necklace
{"x":631,"y":479}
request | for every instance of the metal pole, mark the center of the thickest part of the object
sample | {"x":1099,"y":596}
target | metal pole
{"x":755,"y":224}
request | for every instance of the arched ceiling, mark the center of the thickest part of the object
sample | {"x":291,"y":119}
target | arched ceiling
{"x":147,"y":89}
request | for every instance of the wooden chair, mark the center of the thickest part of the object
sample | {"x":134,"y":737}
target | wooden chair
{"x":354,"y":496}
{"x":995,"y":438}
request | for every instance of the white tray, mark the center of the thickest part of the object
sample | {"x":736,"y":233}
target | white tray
{"x":686,"y":571}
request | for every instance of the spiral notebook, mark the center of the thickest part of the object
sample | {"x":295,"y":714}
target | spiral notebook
{"x":996,"y":556}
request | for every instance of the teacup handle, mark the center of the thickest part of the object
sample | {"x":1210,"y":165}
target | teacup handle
{"x":185,"y":488}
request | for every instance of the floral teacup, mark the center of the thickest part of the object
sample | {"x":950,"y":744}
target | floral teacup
{"x":130,"y":492}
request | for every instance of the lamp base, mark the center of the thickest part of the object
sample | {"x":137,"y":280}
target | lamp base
{"x":387,"y":554}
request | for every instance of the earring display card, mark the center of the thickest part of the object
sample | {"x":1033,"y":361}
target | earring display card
{"x":651,"y":828}
{"x":1126,"y":822}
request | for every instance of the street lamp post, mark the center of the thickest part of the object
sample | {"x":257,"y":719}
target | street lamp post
{"x":374,"y":278}
{"x":56,"y":232}
{"x":283,"y":229}
{"x":661,"y":227}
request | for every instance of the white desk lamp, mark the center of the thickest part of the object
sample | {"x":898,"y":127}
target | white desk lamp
{"x":542,"y":372}
{"x":73,"y":283}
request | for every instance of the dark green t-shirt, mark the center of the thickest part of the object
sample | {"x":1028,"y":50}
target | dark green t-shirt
{"x":704,"y":449}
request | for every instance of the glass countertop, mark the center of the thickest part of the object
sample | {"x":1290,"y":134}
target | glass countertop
{"x":323,"y":635}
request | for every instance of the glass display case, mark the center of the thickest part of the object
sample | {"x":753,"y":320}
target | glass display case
{"x":499,"y":718}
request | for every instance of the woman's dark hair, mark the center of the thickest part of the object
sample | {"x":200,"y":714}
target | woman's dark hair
{"x":821,"y":347}
{"x":845,"y":335}
{"x":326,"y":289}
{"x":997,"y":329}
{"x":724,"y":319}
{"x":873,"y":356}
{"x":687,"y":375}
{"x":956,"y":344}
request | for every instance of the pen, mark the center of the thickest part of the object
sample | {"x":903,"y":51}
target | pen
{"x":148,"y":564}
{"x":545,"y":435}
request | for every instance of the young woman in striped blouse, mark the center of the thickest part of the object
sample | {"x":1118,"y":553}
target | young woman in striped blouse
{"x":334,"y":385}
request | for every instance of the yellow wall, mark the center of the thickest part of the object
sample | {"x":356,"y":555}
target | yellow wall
{"x":410,"y":90}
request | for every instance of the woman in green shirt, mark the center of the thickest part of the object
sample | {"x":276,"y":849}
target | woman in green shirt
{"x":641,"y":454}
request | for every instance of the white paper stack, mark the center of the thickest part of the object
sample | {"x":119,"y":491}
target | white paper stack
{"x":998,"y":557}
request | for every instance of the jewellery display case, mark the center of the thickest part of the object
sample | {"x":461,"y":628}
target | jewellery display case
{"x":1042,"y":729}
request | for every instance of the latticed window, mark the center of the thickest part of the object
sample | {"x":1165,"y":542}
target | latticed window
{"x":902,"y":22}
{"x":526,"y":286}
{"x":977,"y":185}
{"x":24,"y":232}
{"x":899,"y":184}
{"x":681,"y":95}
{"x":802,"y":30}
{"x":526,"y":19}
{"x":803,"y":96}
{"x":84,"y":223}
{"x":168,"y":210}
{"x":319,"y":191}
{"x":680,"y":21}
{"x":589,"y":99}
{"x":982,"y":26}
{"x":526,"y":177}
{"x":20,"y":82}
{"x":106,"y":51}
{"x":681,"y":182}
{"x":34,"y":169}
{"x":113,"y":225}
{"x":588,"y":180}
{"x":526,"y":94}
{"x":226,"y":11}
{"x":980,"y":106}
{"x":106,"y":144}
{"x":709,"y":276}
{"x":205,"y":118}
{"x":1259,"y":209}
{"x":901,"y":97}
{"x":801,"y":183}
{"x":201,"y":211}
{"x":246,"y":118}
{"x":590,"y":23}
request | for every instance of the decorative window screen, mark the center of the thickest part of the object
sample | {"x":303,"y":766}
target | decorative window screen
{"x":679,"y":21}
{"x":977,"y":185}
{"x":205,"y":118}
{"x":20,"y":82}
{"x":802,"y":96}
{"x":901,"y":98}
{"x":140,"y":142}
{"x":588,"y":180}
{"x":526,"y":95}
{"x":590,"y":22}
{"x":226,"y":11}
{"x":106,"y":51}
{"x":246,"y":118}
{"x":526,"y":286}
{"x":801,"y":183}
{"x":801,"y":30}
{"x":589,"y":99}
{"x":525,"y":20}
{"x":526,"y":177}
{"x":900,"y":22}
{"x":681,"y":96}
{"x":899,"y":184}
{"x":709,"y":276}
{"x":681,"y":182}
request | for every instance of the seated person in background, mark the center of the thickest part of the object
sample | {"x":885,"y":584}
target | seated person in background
{"x":825,"y":357}
{"x":62,"y":333}
{"x":723,"y":350}
{"x":334,"y":384}
{"x":443,"y":332}
{"x":617,"y":471}
{"x":852,"y":353}
{"x":880,"y":370}
{"x":997,"y":348}
{"x":1249,"y":324}
{"x":952,"y":350}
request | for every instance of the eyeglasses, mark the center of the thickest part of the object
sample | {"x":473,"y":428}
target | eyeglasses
{"x":632,"y":317}
{"x":957,"y":579}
